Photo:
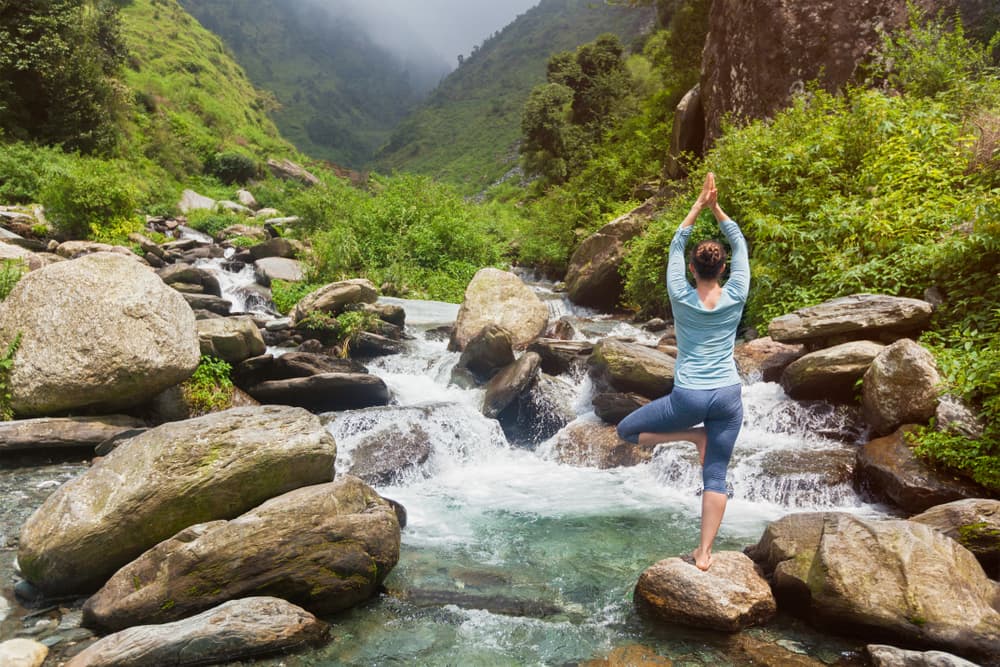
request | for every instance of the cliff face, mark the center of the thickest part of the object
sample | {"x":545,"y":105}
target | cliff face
{"x":759,"y":52}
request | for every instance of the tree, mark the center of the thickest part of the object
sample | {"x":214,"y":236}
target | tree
{"x":58,"y":72}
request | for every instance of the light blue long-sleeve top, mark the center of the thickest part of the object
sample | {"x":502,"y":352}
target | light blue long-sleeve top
{"x":706,"y":337}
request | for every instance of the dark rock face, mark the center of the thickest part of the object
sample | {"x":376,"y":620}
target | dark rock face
{"x":291,"y":365}
{"x":593,"y":278}
{"x":540,"y":412}
{"x":387,"y":455}
{"x":58,"y":432}
{"x":887,"y":469}
{"x":325,"y":392}
{"x":509,"y":383}
{"x":613,"y":407}
{"x":488,"y":351}
{"x":561,"y":356}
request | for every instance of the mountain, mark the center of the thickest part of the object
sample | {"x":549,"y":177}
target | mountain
{"x":340,"y":93}
{"x":466,"y":131}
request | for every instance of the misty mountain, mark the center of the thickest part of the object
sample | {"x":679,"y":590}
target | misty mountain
{"x":341,"y":90}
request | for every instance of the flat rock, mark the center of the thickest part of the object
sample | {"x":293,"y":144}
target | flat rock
{"x":192,"y":201}
{"x":500,"y":298}
{"x":241,"y":629}
{"x":830,"y":373}
{"x":166,"y":479}
{"x":75,"y":249}
{"x":269,"y":269}
{"x":625,"y":367}
{"x":186,"y":274}
{"x":730,"y":596}
{"x":212,"y":304}
{"x":325,"y":392}
{"x":60,"y":432}
{"x":883,"y":655}
{"x":291,"y":171}
{"x":561,"y":356}
{"x":326,"y":548}
{"x":856,"y":317}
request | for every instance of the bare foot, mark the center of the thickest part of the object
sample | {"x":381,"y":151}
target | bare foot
{"x":702,"y":561}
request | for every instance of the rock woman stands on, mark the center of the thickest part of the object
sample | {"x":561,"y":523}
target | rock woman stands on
{"x":706,"y":382}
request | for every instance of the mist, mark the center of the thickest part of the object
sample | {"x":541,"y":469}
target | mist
{"x":428,"y":32}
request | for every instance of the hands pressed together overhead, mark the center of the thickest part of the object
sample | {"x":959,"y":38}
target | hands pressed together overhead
{"x":709,"y":198}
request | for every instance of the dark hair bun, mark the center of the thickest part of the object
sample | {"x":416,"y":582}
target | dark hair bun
{"x":708,"y":259}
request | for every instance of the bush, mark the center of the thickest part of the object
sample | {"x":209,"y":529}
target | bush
{"x":24,"y":168}
{"x":6,"y":365}
{"x":232,"y":167}
{"x":210,"y":222}
{"x":93,"y":198}
{"x":285,"y":294}
{"x":11,"y":271}
{"x":210,"y":389}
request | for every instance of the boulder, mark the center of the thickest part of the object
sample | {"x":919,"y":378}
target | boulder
{"x":887,"y":469}
{"x":540,"y":412}
{"x":900,"y":387}
{"x":326,"y":548}
{"x":192,"y":201}
{"x":804,"y":476}
{"x":269,"y":269}
{"x":764,"y":359}
{"x":597,"y":445}
{"x":291,"y":365}
{"x":509,"y":383}
{"x":593,"y":278}
{"x":625,"y":367}
{"x":231,"y":338}
{"x":500,"y":298}
{"x":912,"y":583}
{"x":487,"y":352}
{"x":882,"y":655}
{"x":246,"y":198}
{"x":367,"y":345}
{"x":561,"y":356}
{"x":209,"y":303}
{"x":245,"y":231}
{"x":185,"y":274}
{"x":241,"y":629}
{"x":385,"y":457}
{"x":166,"y":479}
{"x":386,"y":312}
{"x":276,"y":247}
{"x":974,"y":523}
{"x":856,"y":317}
{"x":75,"y":249}
{"x":954,"y":416}
{"x":730,"y":596}
{"x":226,"y":206}
{"x":290,"y":171}
{"x":266,"y":213}
{"x":59,"y":432}
{"x":333,"y":298}
{"x":100,"y":333}
{"x":688,"y":135}
{"x":22,"y":653}
{"x":174,"y":405}
{"x":613,"y":407}
{"x":831,"y":373}
{"x":325,"y":392}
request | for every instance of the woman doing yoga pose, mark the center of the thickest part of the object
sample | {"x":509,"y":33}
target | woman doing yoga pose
{"x":706,"y":382}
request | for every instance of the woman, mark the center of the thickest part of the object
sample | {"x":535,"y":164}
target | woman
{"x":706,"y":382}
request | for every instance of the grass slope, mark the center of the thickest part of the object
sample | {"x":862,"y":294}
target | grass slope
{"x":466,"y":132}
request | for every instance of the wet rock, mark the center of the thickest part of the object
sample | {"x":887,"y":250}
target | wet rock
{"x":561,"y":356}
{"x":189,"y":275}
{"x":974,"y":523}
{"x":930,"y":590}
{"x":207,"y":302}
{"x":593,"y":444}
{"x":22,"y":653}
{"x":561,"y":329}
{"x":540,"y":412}
{"x":269,"y":269}
{"x":60,"y":432}
{"x":500,"y":298}
{"x":166,"y":479}
{"x":290,"y":171}
{"x":634,"y":655}
{"x":333,"y":298}
{"x":730,"y":596}
{"x":613,"y":407}
{"x":509,"y":383}
{"x":385,"y":457}
{"x":325,"y":392}
{"x":805,"y":475}
{"x":325,"y":547}
{"x":831,"y":373}
{"x":887,"y":469}
{"x":487,"y":352}
{"x":900,"y":387}
{"x":763,"y":359}
{"x":230,"y":338}
{"x":629,"y":367}
{"x":751,"y":651}
{"x":192,"y":201}
{"x":654,"y":325}
{"x":291,"y":365}
{"x":247,"y":628}
{"x":368,"y":345}
{"x":99,"y":333}
{"x":856,"y":317}
{"x":593,"y":278}
{"x":882,"y":655}
{"x":276,"y":247}
{"x":495,"y":604}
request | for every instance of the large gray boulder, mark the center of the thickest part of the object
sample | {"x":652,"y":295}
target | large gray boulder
{"x":231,"y":338}
{"x":900,"y":387}
{"x":831,"y":373}
{"x":629,"y":367}
{"x":898,"y":578}
{"x":887,"y":469}
{"x":290,"y":171}
{"x":332,"y":299}
{"x":730,"y":596}
{"x":489,"y":351}
{"x":974,"y":523}
{"x":593,"y":278}
{"x":166,"y":479}
{"x":64,"y":432}
{"x":325,"y":547}
{"x":100,"y":333}
{"x":883,"y":655}
{"x":500,"y":298}
{"x":192,"y":201}
{"x":247,"y":628}
{"x":269,"y":269}
{"x":510,"y":383}
{"x":856,"y":317}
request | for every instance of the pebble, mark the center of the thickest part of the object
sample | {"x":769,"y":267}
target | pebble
{"x":27,"y":592}
{"x":71,"y":620}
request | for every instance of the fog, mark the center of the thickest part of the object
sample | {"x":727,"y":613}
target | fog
{"x":429,"y":31}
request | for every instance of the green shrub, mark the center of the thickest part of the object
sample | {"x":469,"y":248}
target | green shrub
{"x":232,"y":167}
{"x":286,"y":294}
{"x":24,"y":168}
{"x":93,"y":198}
{"x":11,"y":271}
{"x":210,"y":222}
{"x":6,"y":365}
{"x":210,"y":389}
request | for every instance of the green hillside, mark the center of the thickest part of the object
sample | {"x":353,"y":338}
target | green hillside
{"x":466,"y":132}
{"x":340,"y":94}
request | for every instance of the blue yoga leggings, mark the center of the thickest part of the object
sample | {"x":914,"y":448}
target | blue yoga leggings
{"x":681,"y":409}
